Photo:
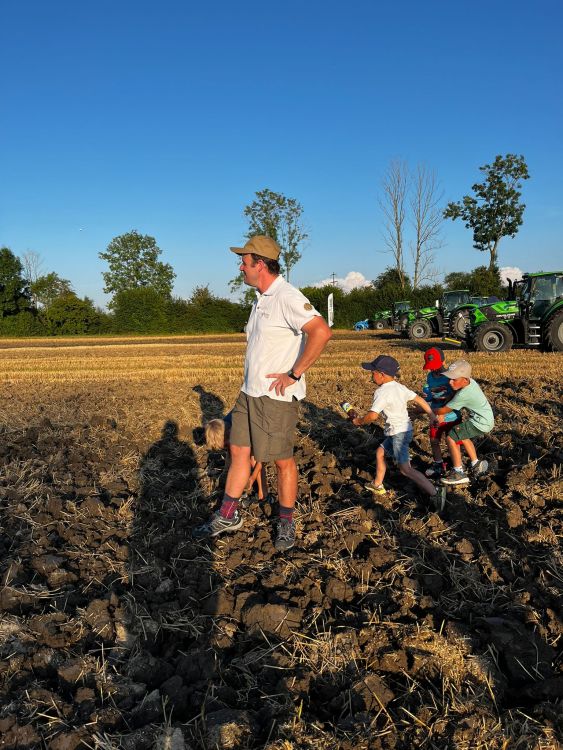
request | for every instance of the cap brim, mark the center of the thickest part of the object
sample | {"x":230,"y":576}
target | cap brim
{"x":238,"y":250}
{"x":368,"y":366}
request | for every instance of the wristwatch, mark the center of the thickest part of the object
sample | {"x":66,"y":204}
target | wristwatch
{"x":293,"y":376}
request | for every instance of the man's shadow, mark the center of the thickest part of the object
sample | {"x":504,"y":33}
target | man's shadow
{"x":173,"y":585}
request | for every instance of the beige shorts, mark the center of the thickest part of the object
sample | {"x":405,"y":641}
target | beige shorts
{"x":265,"y":425}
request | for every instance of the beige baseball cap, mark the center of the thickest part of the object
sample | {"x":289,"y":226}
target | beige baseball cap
{"x":260,"y":245}
{"x":459,"y":369}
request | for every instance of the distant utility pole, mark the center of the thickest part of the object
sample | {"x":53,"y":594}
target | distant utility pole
{"x":333,"y":278}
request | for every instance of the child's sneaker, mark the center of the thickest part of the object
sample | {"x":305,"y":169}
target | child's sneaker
{"x":436,"y":471}
{"x":480,"y":468}
{"x":217,"y":524}
{"x":377,"y":489}
{"x":455,"y":477}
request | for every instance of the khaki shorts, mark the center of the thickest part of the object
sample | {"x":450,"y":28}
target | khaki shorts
{"x":265,"y":425}
{"x":465,"y":431}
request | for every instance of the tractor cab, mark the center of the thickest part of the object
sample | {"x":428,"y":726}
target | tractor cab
{"x":539,"y":292}
{"x":478,"y":301}
{"x":400,"y":314}
{"x":402,"y":306}
{"x":453,"y":299}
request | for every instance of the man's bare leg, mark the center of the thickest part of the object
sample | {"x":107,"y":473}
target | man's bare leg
{"x":287,"y":495}
{"x":239,"y":471}
{"x":287,"y":482}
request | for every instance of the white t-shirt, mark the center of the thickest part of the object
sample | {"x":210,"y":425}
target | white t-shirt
{"x":391,"y":400}
{"x":275,"y":340}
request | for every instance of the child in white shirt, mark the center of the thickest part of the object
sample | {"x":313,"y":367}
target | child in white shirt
{"x":390,"y":400}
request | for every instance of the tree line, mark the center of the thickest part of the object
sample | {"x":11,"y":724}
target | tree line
{"x":48,"y":305}
{"x":33,"y":303}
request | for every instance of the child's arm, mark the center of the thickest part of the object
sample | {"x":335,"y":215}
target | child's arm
{"x":445,"y":414}
{"x":425,"y":406}
{"x":371,"y":416}
{"x":256,"y":476}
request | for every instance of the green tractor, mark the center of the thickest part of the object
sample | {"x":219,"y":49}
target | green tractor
{"x":456,"y":323}
{"x":399,"y":314}
{"x":534,"y":317}
{"x":382,"y":319}
{"x":429,"y":321}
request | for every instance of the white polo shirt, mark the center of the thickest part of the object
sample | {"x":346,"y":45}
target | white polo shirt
{"x":275,"y":339}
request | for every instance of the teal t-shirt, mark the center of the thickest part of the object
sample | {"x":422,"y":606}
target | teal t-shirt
{"x":474,"y":400}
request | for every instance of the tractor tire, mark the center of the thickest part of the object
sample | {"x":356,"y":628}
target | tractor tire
{"x":419,"y":329}
{"x":554,"y":332}
{"x":459,"y":324}
{"x":378,"y":325}
{"x":493,"y":337}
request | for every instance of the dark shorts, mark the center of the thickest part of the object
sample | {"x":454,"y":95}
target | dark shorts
{"x":265,"y":425}
{"x":397,"y":446}
{"x":466,"y":431}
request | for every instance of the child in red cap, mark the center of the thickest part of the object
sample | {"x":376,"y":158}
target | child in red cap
{"x":438,"y":392}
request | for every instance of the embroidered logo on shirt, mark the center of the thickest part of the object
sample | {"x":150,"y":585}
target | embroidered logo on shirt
{"x":308,"y":306}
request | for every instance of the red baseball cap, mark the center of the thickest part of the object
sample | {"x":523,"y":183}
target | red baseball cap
{"x":433,"y":359}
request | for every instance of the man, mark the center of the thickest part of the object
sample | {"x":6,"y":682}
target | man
{"x":285,"y":336}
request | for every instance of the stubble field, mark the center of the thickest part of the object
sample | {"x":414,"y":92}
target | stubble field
{"x":389,"y":626}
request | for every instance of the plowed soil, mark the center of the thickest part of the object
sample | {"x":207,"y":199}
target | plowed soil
{"x":392,"y":624}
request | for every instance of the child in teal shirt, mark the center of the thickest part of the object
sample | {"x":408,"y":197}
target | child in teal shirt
{"x":479,"y":422}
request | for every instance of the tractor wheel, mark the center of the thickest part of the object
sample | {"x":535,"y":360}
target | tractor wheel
{"x":493,"y":337}
{"x":459,"y":323}
{"x":554,"y":332}
{"x":378,"y":325}
{"x":419,"y":329}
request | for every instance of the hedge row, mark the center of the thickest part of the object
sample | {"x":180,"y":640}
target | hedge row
{"x":143,"y":310}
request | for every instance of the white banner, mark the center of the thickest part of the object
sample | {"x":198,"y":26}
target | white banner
{"x":331,"y":309}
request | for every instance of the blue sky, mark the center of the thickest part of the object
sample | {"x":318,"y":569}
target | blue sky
{"x":167,"y":117}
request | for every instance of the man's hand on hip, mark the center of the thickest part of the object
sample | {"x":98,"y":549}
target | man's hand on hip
{"x":281,"y":382}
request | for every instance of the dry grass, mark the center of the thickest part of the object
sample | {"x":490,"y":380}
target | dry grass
{"x":140,"y":384}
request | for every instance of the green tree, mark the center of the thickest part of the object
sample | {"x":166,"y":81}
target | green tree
{"x":391,"y":285}
{"x":133,"y":263}
{"x":458,"y":280}
{"x":69,"y":315}
{"x":486,"y":281}
{"x":248,"y":294}
{"x":14,"y":289}
{"x":208,"y":313}
{"x":480,"y":281}
{"x":280,"y":218}
{"x":494,"y":211}
{"x":318,"y":297}
{"x":141,"y":309}
{"x":48,"y":287}
{"x":25,"y":323}
{"x":391,"y":277}
{"x":426,"y":295}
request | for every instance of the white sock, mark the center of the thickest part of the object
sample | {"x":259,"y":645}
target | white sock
{"x":474,"y":463}
{"x":459,"y":469}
